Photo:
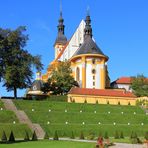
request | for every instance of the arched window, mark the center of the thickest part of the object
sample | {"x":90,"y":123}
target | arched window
{"x":78,"y":74}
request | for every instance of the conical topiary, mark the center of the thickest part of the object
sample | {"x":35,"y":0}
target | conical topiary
{"x":4,"y":137}
{"x":82,"y":135}
{"x":116,"y":135}
{"x":11,"y":137}
{"x":106,"y":135}
{"x":46,"y":136}
{"x":72,"y":135}
{"x":26,"y":138}
{"x":121,"y":135}
{"x":56,"y":137}
{"x":34,"y":136}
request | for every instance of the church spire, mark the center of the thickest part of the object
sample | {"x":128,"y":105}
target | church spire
{"x":61,"y":39}
{"x":88,"y":29}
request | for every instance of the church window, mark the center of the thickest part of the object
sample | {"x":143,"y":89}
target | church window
{"x":93,"y":61}
{"x":78,"y":74}
{"x":93,"y":77}
{"x":93,"y":71}
{"x":93,"y":83}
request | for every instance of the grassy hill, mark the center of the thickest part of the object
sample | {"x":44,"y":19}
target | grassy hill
{"x":8,"y":122}
{"x":67,"y":117}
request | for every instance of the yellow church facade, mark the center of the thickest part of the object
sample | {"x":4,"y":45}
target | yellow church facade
{"x":89,"y":67}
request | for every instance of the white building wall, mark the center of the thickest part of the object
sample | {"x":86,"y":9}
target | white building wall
{"x":75,"y":41}
{"x":98,"y":69}
{"x":125,"y":86}
{"x":89,"y":77}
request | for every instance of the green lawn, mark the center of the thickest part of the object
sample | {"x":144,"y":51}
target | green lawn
{"x":49,"y":144}
{"x":54,"y":115}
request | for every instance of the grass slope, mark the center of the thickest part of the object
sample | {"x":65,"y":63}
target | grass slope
{"x":85,"y":117}
{"x":47,"y":144}
{"x":7,"y":119}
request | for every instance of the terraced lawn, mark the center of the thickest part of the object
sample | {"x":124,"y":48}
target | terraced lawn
{"x":67,"y":117}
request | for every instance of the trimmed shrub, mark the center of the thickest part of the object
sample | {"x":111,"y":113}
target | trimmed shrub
{"x":129,"y":103}
{"x":85,"y":101}
{"x":56,"y":137}
{"x":121,"y":135}
{"x":26,"y":138}
{"x":119,"y":103}
{"x":107,"y":102}
{"x":116,"y":135}
{"x":34,"y":136}
{"x":97,"y":102}
{"x":11,"y":137}
{"x":72,"y":135}
{"x":4,"y":137}
{"x":146,"y":136}
{"x":106,"y":135}
{"x":82,"y":135}
{"x":46,"y":136}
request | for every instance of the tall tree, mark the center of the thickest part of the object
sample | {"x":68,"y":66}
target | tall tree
{"x":61,"y":80}
{"x":16,"y":63}
{"x":140,"y":85}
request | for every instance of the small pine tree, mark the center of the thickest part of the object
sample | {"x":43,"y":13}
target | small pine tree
{"x":97,"y":102}
{"x":73,"y":100}
{"x":4,"y":137}
{"x":85,"y":101}
{"x":11,"y":137}
{"x":116,"y":135}
{"x":26,"y":138}
{"x":121,"y":135}
{"x":46,"y":136}
{"x":129,"y":103}
{"x":107,"y":102}
{"x":56,"y":136}
{"x":106,"y":135}
{"x":82,"y":135}
{"x":34,"y":136}
{"x":146,"y":136}
{"x":119,"y":103}
{"x":72,"y":135}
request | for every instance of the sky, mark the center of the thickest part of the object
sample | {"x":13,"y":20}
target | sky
{"x":120,"y":29}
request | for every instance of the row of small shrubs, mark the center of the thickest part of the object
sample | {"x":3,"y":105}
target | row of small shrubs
{"x":11,"y":138}
{"x":118,"y":135}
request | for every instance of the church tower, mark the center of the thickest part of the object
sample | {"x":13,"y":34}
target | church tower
{"x":61,"y":39}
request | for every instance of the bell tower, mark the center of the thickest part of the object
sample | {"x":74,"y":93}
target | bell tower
{"x":61,"y":39}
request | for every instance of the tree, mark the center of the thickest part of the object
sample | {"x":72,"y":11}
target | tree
{"x":16,"y":63}
{"x":140,"y":85}
{"x":11,"y":137}
{"x":82,"y":135}
{"x":4,"y":137}
{"x":34,"y":136}
{"x":56,"y":137}
{"x":61,"y":80}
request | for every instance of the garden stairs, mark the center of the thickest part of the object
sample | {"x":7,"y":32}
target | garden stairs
{"x":23,"y":118}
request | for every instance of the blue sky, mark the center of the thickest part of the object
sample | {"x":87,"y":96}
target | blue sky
{"x":120,"y":28}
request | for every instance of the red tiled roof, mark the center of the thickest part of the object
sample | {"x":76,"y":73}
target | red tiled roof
{"x":101,"y":92}
{"x":124,"y":80}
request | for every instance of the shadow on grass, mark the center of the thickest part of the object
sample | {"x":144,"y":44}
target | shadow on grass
{"x":17,"y":141}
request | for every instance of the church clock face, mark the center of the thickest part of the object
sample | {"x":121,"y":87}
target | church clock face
{"x":34,"y":87}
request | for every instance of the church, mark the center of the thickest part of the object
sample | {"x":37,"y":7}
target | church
{"x":89,"y":67}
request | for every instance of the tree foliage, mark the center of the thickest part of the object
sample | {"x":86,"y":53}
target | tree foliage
{"x":16,"y":63}
{"x":140,"y":85}
{"x":61,"y":80}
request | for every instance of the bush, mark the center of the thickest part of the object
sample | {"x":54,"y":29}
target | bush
{"x":26,"y":138}
{"x":82,"y":135}
{"x":116,"y":135}
{"x":106,"y":135}
{"x":97,"y":102}
{"x":121,"y":135}
{"x":119,"y":103}
{"x":11,"y":137}
{"x":85,"y":101}
{"x":4,"y":137}
{"x":46,"y":136}
{"x":34,"y":136}
{"x":60,"y":98}
{"x":56,"y":136}
{"x":72,"y":135}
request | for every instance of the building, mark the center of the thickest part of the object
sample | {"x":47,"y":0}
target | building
{"x":89,"y":67}
{"x":88,"y":62}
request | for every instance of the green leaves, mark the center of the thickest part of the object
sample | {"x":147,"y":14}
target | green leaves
{"x":16,"y":63}
{"x":140,"y":86}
